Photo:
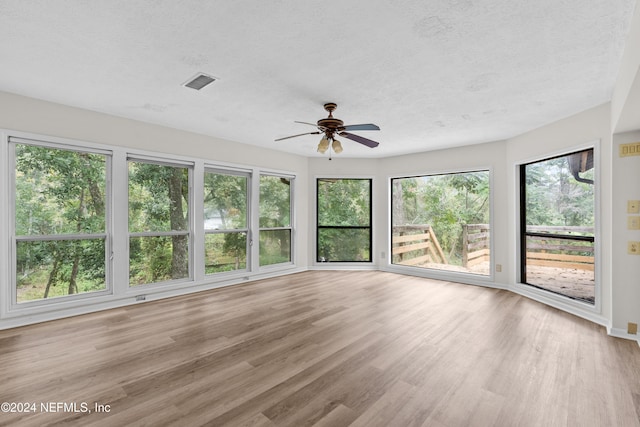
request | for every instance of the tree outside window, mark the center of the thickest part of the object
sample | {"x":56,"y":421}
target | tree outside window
{"x":158,"y":222}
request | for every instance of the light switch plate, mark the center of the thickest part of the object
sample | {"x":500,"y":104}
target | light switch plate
{"x":633,"y":206}
{"x":633,"y":248}
{"x":631,"y":149}
{"x":633,"y":222}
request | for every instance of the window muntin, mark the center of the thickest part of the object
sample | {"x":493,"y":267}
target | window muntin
{"x":442,"y":222}
{"x":343,"y":220}
{"x":275,"y":219}
{"x":226,"y":213}
{"x":557,"y":209}
{"x":60,"y":221}
{"x":159,"y":225}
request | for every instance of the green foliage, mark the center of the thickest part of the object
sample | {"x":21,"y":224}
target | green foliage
{"x":275,"y":246}
{"x":158,"y":202}
{"x":59,"y":192}
{"x":344,"y":202}
{"x":225,"y":252}
{"x":275,"y":201}
{"x":225,"y":199}
{"x":554,"y":197}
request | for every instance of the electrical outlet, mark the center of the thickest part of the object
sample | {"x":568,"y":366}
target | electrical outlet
{"x":633,"y":248}
{"x":498,"y":268}
{"x":632,"y":328}
{"x":633,"y":206}
{"x":382,"y":255}
{"x":633,"y":223}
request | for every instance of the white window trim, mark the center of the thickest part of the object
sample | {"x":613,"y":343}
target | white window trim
{"x":248,"y":174}
{"x":190,"y":221}
{"x":116,"y":202}
{"x":455,"y":276}
{"x":12,"y":292}
{"x":255,"y":239}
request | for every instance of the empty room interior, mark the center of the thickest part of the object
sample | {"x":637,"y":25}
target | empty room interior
{"x":300,"y":213}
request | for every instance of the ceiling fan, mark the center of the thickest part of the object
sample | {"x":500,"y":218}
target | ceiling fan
{"x":332,"y":126}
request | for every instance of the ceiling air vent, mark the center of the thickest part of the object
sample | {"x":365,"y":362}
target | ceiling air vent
{"x":199,"y":81}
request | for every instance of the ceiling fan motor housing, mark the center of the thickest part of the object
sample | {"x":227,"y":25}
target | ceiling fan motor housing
{"x":331,"y":123}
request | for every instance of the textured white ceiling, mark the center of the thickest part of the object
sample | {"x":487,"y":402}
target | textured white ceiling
{"x":432,"y":74}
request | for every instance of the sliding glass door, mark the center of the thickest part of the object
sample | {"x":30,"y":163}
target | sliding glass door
{"x":557,"y":205}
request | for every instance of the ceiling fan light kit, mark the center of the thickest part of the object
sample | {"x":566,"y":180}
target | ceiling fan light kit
{"x":331,"y":126}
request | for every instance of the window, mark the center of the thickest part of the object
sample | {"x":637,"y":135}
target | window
{"x":60,"y":221}
{"x":442,"y":222}
{"x":344,"y":220}
{"x":159,"y":228}
{"x":226,"y":199}
{"x":557,"y":214}
{"x":275,"y":219}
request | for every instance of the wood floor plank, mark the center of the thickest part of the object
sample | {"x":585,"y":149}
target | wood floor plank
{"x":325,"y":348}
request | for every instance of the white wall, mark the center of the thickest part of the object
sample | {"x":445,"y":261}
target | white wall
{"x":481,"y":156}
{"x":344,"y":167}
{"x":625,"y":101}
{"x":625,"y":267}
{"x":570,"y":134}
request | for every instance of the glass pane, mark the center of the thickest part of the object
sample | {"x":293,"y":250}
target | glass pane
{"x":225,"y":201}
{"x":48,"y":269}
{"x":275,"y":201}
{"x":158,"y":258}
{"x":560,"y":193}
{"x":344,"y":244}
{"x":442,"y":222}
{"x":158,"y":197}
{"x":562,"y":266}
{"x":225,"y":252}
{"x":59,"y":191}
{"x":275,"y":246}
{"x":344,"y":202}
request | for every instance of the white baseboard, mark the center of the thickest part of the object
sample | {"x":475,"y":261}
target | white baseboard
{"x":582,"y":310}
{"x":621,"y":333}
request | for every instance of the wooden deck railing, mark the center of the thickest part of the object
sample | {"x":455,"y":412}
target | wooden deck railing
{"x":475,"y":244}
{"x":415,"y":244}
{"x":418,"y":244}
{"x":553,"y":251}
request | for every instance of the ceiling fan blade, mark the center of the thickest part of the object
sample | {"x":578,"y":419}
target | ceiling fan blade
{"x":361,"y":140}
{"x":306,"y":123}
{"x":300,"y":134}
{"x":364,"y":126}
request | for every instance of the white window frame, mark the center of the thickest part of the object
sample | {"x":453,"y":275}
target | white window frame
{"x":462,"y":277}
{"x":189,"y":233}
{"x":249,"y":176}
{"x":12,"y":141}
{"x":256,"y":252}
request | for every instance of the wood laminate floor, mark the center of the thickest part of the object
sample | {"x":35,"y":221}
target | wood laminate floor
{"x":325,"y":349}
